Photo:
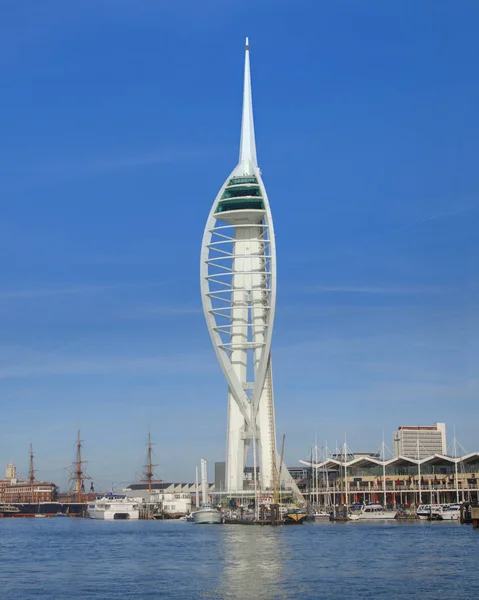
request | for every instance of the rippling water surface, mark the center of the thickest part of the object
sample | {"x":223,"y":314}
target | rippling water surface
{"x":68,"y":559}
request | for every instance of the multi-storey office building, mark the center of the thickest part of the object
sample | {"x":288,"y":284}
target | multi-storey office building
{"x":419,"y":441}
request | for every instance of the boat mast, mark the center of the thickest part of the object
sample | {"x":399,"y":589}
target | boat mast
{"x":383,"y":457}
{"x":326,"y":474}
{"x":204,"y":480}
{"x":418,"y":470}
{"x":312,"y":495}
{"x":31,"y":475}
{"x":275,"y":476}
{"x":456,"y":483}
{"x":197,"y":492}
{"x":338,"y":452}
{"x":345,"y":473}
{"x":79,"y":474}
{"x":280,"y":467}
{"x":149,"y":473}
{"x":316,"y":482}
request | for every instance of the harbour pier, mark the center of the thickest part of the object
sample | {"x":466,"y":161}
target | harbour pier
{"x":475,"y":516}
{"x":470,"y":514}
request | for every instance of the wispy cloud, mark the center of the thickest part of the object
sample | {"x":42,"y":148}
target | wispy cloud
{"x":69,"y":290}
{"x":79,"y":168}
{"x":169,"y":311}
{"x":26,"y":24}
{"x":48,"y":366}
{"x":351,"y":249}
{"x":372,"y":289}
{"x":58,"y":171}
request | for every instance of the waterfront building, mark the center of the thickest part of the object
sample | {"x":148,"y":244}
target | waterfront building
{"x":220,"y":476}
{"x":238,"y":289}
{"x":174,"y":498}
{"x":397,"y":481}
{"x":420,"y":441}
{"x":11,"y":472}
{"x":15,"y":489}
{"x":298,"y":473}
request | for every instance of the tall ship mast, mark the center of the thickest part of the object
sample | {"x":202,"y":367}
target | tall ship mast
{"x":31,"y":475}
{"x":149,"y":473}
{"x":78,"y":474}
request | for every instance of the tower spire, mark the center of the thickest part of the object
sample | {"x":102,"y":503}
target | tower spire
{"x":247,"y":157}
{"x":242,"y":291}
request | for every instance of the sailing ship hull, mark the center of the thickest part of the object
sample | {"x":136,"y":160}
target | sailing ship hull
{"x":47,"y":509}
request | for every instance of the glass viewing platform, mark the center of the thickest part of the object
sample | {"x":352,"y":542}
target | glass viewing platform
{"x":241,"y":193}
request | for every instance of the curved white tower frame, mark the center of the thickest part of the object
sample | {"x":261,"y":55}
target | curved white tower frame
{"x":238,"y":289}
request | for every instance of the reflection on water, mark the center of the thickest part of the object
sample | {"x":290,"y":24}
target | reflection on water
{"x":253,"y":558}
{"x":75,"y":559}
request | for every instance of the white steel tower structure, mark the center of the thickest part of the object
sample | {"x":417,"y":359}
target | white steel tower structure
{"x":238,"y":288}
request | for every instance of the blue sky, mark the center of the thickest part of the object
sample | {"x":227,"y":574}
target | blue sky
{"x":119,"y":122}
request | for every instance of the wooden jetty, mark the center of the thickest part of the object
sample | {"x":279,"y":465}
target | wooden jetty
{"x":475,"y":516}
{"x":470,"y":514}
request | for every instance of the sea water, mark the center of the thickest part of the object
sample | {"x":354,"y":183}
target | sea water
{"x":69,"y":559}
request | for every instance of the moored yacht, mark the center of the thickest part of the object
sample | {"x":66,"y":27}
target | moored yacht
{"x":8,"y":510}
{"x":320,"y":515}
{"x":426,"y":511}
{"x":370,"y":511}
{"x":451,"y":513}
{"x":112,"y":507}
{"x":207,"y":513}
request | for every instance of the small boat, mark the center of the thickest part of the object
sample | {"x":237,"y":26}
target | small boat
{"x":39,"y":516}
{"x":188,"y":518}
{"x":7,"y":510}
{"x":320,"y":515}
{"x":361,"y":512}
{"x":207,"y":514}
{"x":295,"y":517}
{"x":426,"y":511}
{"x":451,"y":513}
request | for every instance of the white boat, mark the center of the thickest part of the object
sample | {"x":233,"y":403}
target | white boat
{"x":365,"y":512}
{"x":425,"y":511}
{"x":8,"y":510}
{"x":207,"y":514}
{"x":112,"y":507}
{"x":451,"y":513}
{"x":321,"y":515}
{"x":188,"y":518}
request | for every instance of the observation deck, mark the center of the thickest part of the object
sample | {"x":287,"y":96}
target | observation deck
{"x":241,"y":202}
